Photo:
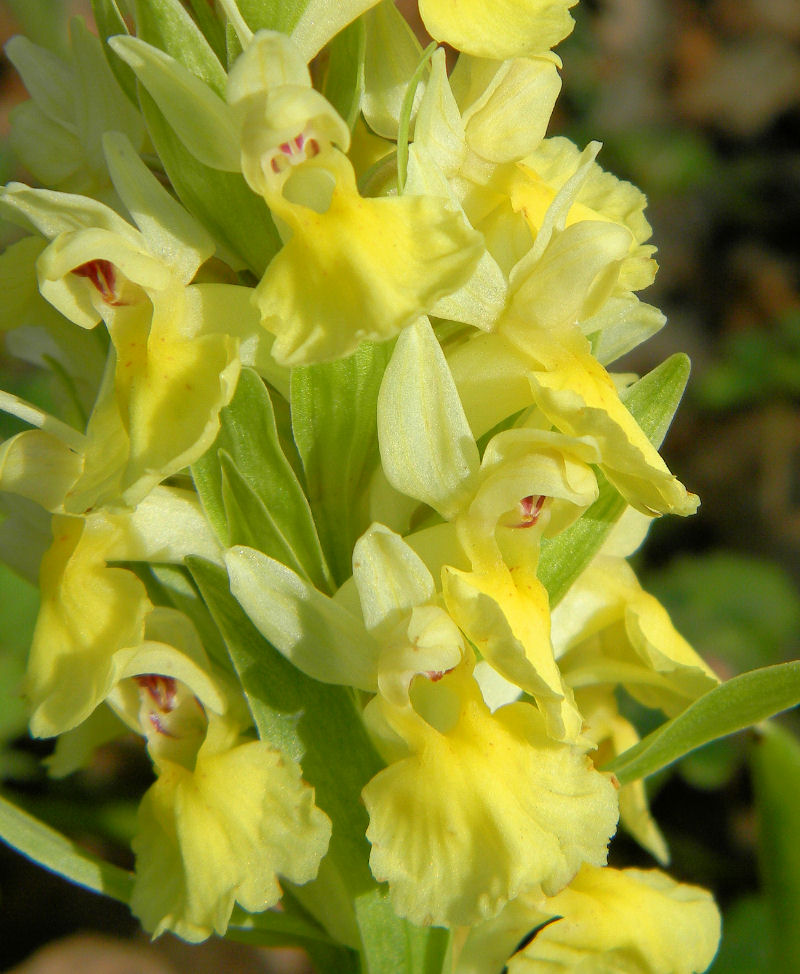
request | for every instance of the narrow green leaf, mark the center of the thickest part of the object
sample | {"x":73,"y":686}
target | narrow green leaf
{"x":212,"y":29}
{"x":242,"y":225}
{"x":263,"y":501}
{"x":392,"y":948}
{"x":652,"y":401}
{"x":775,"y":763}
{"x":60,"y":855}
{"x":172,"y":585}
{"x":734,"y":705}
{"x":167,"y":25}
{"x":324,"y":956}
{"x":110,"y":23}
{"x":334,"y":423}
{"x":249,"y":519}
{"x":293,"y":926}
{"x":344,"y":78}
{"x":280,"y":15}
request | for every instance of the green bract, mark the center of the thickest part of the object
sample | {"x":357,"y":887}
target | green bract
{"x":333,"y":501}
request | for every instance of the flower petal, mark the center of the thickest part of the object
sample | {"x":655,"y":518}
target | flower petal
{"x":609,"y":916}
{"x":501,"y":29}
{"x":221,"y":835}
{"x":484,"y":812}
{"x":508,"y":619}
{"x":362,"y":270}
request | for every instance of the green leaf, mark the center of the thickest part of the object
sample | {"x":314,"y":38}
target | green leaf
{"x":110,"y":23}
{"x":212,"y":29}
{"x":280,"y":15}
{"x":291,"y":922}
{"x":60,"y":855}
{"x":398,"y":949}
{"x":334,"y":422}
{"x":243,"y":225}
{"x":734,"y":705}
{"x":652,"y":401}
{"x":255,"y":489}
{"x":745,"y":946}
{"x":775,"y":762}
{"x":292,"y":926}
{"x":166,"y":24}
{"x":344,"y":78}
{"x":248,"y":518}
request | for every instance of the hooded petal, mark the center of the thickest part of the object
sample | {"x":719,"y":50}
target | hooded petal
{"x":390,"y":577}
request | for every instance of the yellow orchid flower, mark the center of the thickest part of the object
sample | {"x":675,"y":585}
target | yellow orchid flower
{"x":221,"y":832}
{"x":351,"y":268}
{"x":226,"y":813}
{"x":493,"y":803}
{"x":529,"y":482}
{"x":610,"y":915}
{"x":92,"y":616}
{"x":607,"y":921}
{"x":607,"y":630}
{"x":174,"y":345}
{"x":448,"y":788}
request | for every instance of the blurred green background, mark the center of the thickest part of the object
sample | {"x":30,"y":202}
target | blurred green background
{"x":698,"y":103}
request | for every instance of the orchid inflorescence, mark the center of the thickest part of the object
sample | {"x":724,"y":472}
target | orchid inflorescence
{"x":336,"y":509}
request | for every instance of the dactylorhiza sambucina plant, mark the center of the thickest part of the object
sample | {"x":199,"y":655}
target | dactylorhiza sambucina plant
{"x":336,"y":511}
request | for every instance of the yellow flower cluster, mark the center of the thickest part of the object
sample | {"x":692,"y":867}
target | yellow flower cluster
{"x":496,"y":271}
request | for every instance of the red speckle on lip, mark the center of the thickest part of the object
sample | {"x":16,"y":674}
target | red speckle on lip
{"x":104,"y":277}
{"x":530,"y":510}
{"x":162,"y":690}
{"x":435,"y":675}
